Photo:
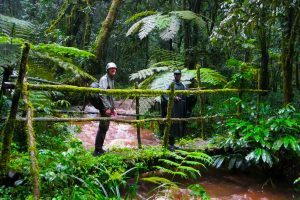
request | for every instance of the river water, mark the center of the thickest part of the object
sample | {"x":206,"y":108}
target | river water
{"x":220,"y":185}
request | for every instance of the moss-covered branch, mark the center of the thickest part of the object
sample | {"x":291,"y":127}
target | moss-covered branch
{"x":141,"y":121}
{"x":34,"y":167}
{"x":137,"y":92}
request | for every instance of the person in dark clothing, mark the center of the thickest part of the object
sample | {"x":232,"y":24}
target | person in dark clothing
{"x":108,"y":107}
{"x":177,"y":129}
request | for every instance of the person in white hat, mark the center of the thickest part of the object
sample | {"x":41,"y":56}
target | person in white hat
{"x":106,"y":82}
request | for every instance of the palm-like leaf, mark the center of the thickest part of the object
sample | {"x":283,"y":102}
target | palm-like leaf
{"x":66,"y":65}
{"x":47,"y":55}
{"x":168,"y":24}
{"x":58,"y":50}
{"x":13,"y":27}
{"x":171,"y":31}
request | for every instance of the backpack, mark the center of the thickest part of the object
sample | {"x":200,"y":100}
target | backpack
{"x":94,"y":98}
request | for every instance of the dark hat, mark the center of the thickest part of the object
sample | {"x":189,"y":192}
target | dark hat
{"x":176,"y":72}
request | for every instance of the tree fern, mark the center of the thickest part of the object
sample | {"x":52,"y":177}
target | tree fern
{"x":68,"y":66}
{"x":168,"y":24}
{"x":13,"y":27}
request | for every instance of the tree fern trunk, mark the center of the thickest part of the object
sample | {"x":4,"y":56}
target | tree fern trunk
{"x":105,"y":29}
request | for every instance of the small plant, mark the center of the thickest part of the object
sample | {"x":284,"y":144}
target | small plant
{"x":180,"y":164}
{"x":266,"y":143}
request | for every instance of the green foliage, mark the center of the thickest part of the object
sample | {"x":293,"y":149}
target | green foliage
{"x":139,"y":15}
{"x":58,"y":50}
{"x":13,"y":27}
{"x":72,"y":72}
{"x":181,"y":164}
{"x":199,"y":191}
{"x":244,"y":74}
{"x":159,"y":74}
{"x":168,"y":24}
{"x":266,"y":143}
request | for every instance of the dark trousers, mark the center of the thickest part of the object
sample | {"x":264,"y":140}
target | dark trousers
{"x":101,"y":133}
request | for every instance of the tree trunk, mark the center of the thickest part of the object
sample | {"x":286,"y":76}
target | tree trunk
{"x":6,"y":74}
{"x":289,"y":32}
{"x":191,"y":35}
{"x":105,"y":29}
{"x":297,"y":71}
{"x":74,"y":24}
{"x":264,"y":76}
{"x":88,"y":20}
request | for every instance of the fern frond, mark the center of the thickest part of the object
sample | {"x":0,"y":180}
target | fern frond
{"x":149,"y":23}
{"x":169,"y":162}
{"x":169,"y":23}
{"x":201,"y":156}
{"x":190,"y":170}
{"x":134,"y":28}
{"x":193,"y":163}
{"x":162,"y":22}
{"x":160,"y":55}
{"x":139,"y":15}
{"x":146,"y":104}
{"x":165,"y":170}
{"x":159,"y":180}
{"x":66,"y":66}
{"x":190,"y":16}
{"x":170,"y":32}
{"x":211,"y":77}
{"x":144,"y":73}
{"x":63,"y":51}
{"x":12,"y":27}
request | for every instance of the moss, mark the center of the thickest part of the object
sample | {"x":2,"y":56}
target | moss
{"x":31,"y":143}
{"x":137,"y":92}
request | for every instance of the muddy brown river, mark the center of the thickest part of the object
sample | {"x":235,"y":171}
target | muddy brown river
{"x":220,"y":185}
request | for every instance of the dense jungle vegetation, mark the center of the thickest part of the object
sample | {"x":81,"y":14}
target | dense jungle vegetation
{"x":230,"y":44}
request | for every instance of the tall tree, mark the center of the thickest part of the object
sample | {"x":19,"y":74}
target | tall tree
{"x":290,"y":25}
{"x":105,"y":29}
